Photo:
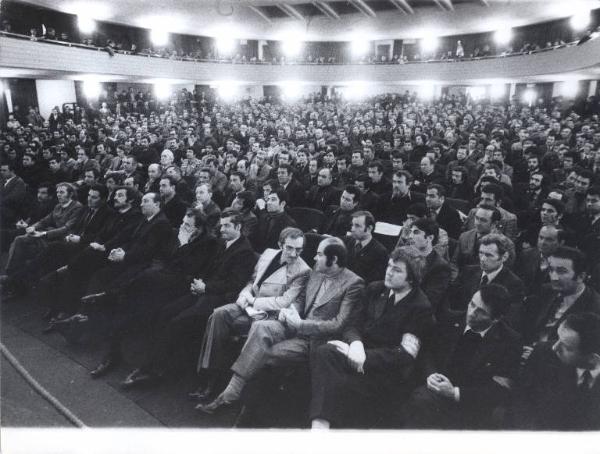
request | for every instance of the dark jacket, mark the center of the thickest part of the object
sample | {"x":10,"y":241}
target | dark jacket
{"x":449,"y":220}
{"x":151,"y":240}
{"x":393,"y":210}
{"x":381,"y":326}
{"x":174,"y":210}
{"x":89,"y":226}
{"x":497,"y":355}
{"x":369,"y":262}
{"x":321,"y":197}
{"x":231,"y":270}
{"x":268,"y":230}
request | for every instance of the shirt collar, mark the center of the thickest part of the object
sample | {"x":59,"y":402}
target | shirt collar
{"x":491,"y":276}
{"x":481,"y":333}
{"x":594,"y":372}
{"x":229,"y":243}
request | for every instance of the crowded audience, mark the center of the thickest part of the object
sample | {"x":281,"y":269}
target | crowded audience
{"x":396,"y":263}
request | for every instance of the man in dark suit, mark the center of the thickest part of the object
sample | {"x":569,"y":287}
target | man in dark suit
{"x":65,"y":286}
{"x":12,"y":194}
{"x":184,"y":319}
{"x":137,"y":301}
{"x":493,"y":254}
{"x":532,"y":265}
{"x":95,"y":216}
{"x":337,"y":218}
{"x":364,"y":370}
{"x":367,"y":257}
{"x":440,"y":211}
{"x":318,"y":314}
{"x":469,"y":367}
{"x":434,"y":271}
{"x":273,"y":221}
{"x":559,"y":388}
{"x":392,"y":206}
{"x":324,"y":194}
{"x":172,"y":206}
{"x":152,"y":241}
{"x":566,"y":294}
{"x":467,"y":249}
{"x":293,"y":189}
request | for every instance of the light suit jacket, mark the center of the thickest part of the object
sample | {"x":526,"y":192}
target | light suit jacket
{"x":329,"y":315}
{"x":279,"y":289}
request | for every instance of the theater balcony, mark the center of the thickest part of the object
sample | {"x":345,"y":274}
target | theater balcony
{"x":37,"y":59}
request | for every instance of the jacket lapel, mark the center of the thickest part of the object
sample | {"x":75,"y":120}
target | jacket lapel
{"x":265,"y":260}
{"x":334,"y":289}
{"x":312,"y":288}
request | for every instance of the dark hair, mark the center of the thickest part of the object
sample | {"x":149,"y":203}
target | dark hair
{"x":376,"y":164}
{"x":172,"y":181}
{"x":95,"y":171}
{"x":397,"y":154}
{"x":240,"y":175}
{"x":351,"y":189}
{"x":587,"y":326}
{"x":155,"y":196}
{"x":280,"y":192}
{"x":575,"y":255}
{"x":247,"y":198}
{"x":496,"y":216}
{"x":287,"y":167}
{"x":441,"y":190}
{"x":404,"y":174}
{"x":429,"y":226}
{"x":418,"y":209}
{"x":336,"y":249}
{"x":369,"y":218}
{"x":495,"y":189}
{"x":101,"y":189}
{"x":234,"y":215}
{"x":594,"y":190}
{"x":558,"y":205}
{"x":413,"y":275}
{"x":10,"y":164}
{"x":198,"y":215}
{"x":496,"y":298}
{"x":290,"y":232}
{"x":585,"y":173}
{"x":131,"y":193}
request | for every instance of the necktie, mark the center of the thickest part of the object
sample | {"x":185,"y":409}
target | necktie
{"x":586,"y":381}
{"x":484,"y":280}
{"x":358,"y":247}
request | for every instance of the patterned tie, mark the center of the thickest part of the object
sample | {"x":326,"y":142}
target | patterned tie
{"x":586,"y":381}
{"x":484,"y":280}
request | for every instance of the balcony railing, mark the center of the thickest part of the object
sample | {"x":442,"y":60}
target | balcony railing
{"x":58,"y":57}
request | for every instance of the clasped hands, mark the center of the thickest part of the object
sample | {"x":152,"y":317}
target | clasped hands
{"x":290,"y":317}
{"x":440,"y":384}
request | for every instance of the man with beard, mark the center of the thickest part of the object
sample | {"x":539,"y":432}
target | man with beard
{"x":392,"y":206}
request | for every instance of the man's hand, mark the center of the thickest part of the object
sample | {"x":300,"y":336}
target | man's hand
{"x":37,"y":234}
{"x":243,"y":300}
{"x":411,"y":344}
{"x":116,"y":255}
{"x":341,"y":347}
{"x":292,"y":318}
{"x":21,"y":224}
{"x":357,"y":356}
{"x":527,"y":349}
{"x":97,"y":247}
{"x":29,"y":230}
{"x":198,"y":287}
{"x":73,"y":238}
{"x":440,"y":384}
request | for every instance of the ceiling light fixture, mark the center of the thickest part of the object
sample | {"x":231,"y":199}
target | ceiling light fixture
{"x":503,"y":36}
{"x":159,"y":37}
{"x":580,"y":19}
{"x":86,"y":24}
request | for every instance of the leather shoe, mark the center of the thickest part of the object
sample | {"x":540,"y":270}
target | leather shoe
{"x":94,"y":298}
{"x":202,"y":393}
{"x":214,"y":406}
{"x":139,"y":377}
{"x":104,"y":367}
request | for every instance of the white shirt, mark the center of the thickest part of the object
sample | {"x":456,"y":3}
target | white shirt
{"x":491,"y":275}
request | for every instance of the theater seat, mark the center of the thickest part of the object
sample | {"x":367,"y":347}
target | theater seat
{"x":311,"y":243}
{"x":307,"y":218}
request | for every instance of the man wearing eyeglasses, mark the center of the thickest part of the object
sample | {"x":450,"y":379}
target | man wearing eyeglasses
{"x":279,"y":277}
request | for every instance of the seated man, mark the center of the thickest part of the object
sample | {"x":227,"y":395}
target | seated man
{"x":559,"y":388}
{"x":271,"y":223}
{"x":566,"y":294}
{"x":469,"y":367}
{"x":467,"y":249}
{"x":137,"y":300}
{"x":493,"y":255}
{"x":279,"y":277}
{"x":367,"y":257}
{"x":318,"y":314}
{"x":55,"y":226}
{"x":337,"y":218}
{"x":435,"y":271}
{"x":378,"y":351}
{"x":185,"y":318}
